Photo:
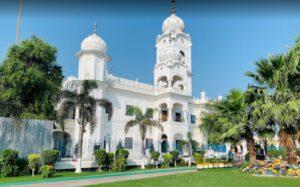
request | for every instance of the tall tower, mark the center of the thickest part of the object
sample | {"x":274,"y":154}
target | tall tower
{"x":92,"y":58}
{"x":173,"y":55}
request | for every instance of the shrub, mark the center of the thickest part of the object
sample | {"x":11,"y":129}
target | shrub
{"x":198,"y":158}
{"x":47,"y":171}
{"x":181,"y":162}
{"x":276,"y":153}
{"x":155,"y":156}
{"x":8,"y":161}
{"x":247,"y":157}
{"x":9,"y":156}
{"x":100,"y":157}
{"x":122,"y":153}
{"x":167,"y":159}
{"x":49,"y":157}
{"x":175,"y":154}
{"x":33,"y":162}
{"x":23,"y":168}
{"x":110,"y":160}
{"x":245,"y":164}
{"x":119,"y":164}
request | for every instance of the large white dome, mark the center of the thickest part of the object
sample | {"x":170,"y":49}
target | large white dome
{"x":173,"y":22}
{"x":93,"y":42}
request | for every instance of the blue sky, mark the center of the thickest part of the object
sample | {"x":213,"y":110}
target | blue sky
{"x":227,"y":40}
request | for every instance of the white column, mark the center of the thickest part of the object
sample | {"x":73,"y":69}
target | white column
{"x":170,"y":115}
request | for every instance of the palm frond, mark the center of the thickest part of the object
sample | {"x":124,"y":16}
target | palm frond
{"x":130,"y":124}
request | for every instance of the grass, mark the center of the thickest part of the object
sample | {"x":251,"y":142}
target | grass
{"x":57,"y":176}
{"x":39,"y":177}
{"x":210,"y":177}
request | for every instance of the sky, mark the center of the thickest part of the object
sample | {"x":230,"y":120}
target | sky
{"x":228,"y":38}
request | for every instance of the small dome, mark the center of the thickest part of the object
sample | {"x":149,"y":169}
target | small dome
{"x":173,"y":22}
{"x":93,"y":42}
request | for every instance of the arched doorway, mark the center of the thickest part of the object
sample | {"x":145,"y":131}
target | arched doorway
{"x":62,"y":143}
{"x":164,"y":144}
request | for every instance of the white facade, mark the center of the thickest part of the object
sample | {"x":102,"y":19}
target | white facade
{"x":170,"y":95}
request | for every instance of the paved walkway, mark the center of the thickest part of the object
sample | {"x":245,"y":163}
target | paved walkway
{"x":104,"y":178}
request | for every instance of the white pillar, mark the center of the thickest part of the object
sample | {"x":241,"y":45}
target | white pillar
{"x":170,"y":114}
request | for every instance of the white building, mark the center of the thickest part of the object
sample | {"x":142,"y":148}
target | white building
{"x":170,"y":95}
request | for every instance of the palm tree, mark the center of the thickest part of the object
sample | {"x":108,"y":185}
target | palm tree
{"x":143,"y":121}
{"x":233,"y":119}
{"x":280,"y":76}
{"x":86,"y":106}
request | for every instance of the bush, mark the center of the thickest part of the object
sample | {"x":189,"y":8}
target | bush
{"x":245,"y":164}
{"x":9,"y":156}
{"x":181,"y":162}
{"x":122,"y":153}
{"x":33,"y":162}
{"x":110,"y":160}
{"x":167,"y":159}
{"x":155,"y":156}
{"x":23,"y":168}
{"x":8,"y":161}
{"x":47,"y":171}
{"x":175,"y":154}
{"x":198,"y":158}
{"x":49,"y":157}
{"x":119,"y":164}
{"x":276,"y":153}
{"x":100,"y":157}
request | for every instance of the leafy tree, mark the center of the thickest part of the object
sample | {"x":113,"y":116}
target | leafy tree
{"x":280,"y":76}
{"x":86,"y":105}
{"x":33,"y":162}
{"x":155,"y":156}
{"x":234,"y":118}
{"x":175,"y":154}
{"x":143,"y":121}
{"x":100,"y":157}
{"x":110,"y":160}
{"x":30,"y":80}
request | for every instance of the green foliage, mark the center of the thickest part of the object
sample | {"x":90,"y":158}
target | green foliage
{"x":122,"y":153}
{"x":101,"y":157}
{"x":47,"y":171}
{"x":49,"y":157}
{"x":8,"y":161}
{"x":155,"y":155}
{"x":198,"y":158}
{"x":23,"y":168}
{"x":119,"y":164}
{"x":175,"y":154}
{"x":276,"y":153}
{"x":33,"y":162}
{"x":167,"y":158}
{"x":110,"y":160}
{"x":30,"y":80}
{"x":298,"y":152}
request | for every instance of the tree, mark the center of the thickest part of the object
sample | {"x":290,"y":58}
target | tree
{"x":100,"y":157}
{"x":280,"y":76}
{"x":33,"y":162}
{"x":175,"y":154}
{"x":143,"y":121}
{"x":155,"y":156}
{"x":86,"y":106}
{"x":30,"y":80}
{"x":232,"y":119}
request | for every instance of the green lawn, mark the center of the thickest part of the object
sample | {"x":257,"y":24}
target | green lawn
{"x":38,"y":177}
{"x":211,"y":177}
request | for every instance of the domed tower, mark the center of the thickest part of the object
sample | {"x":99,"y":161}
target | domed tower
{"x":173,"y":55}
{"x":92,"y":58}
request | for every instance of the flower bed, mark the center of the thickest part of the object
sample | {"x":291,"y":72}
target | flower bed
{"x":277,"y":167}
